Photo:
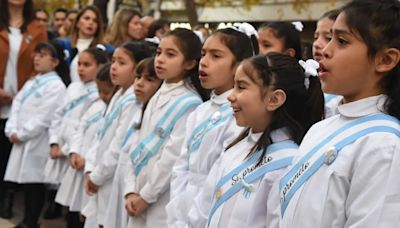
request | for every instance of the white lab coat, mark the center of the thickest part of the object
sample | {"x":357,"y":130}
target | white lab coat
{"x":108,"y":148}
{"x":116,"y":215}
{"x":235,"y":211}
{"x":361,"y":188}
{"x":30,"y":119}
{"x":71,"y":192}
{"x":191,"y":170}
{"x":153,"y":182}
{"x":65,"y":123}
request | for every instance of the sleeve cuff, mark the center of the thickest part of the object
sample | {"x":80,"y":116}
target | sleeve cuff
{"x":53,"y":139}
{"x":96,"y":178}
{"x":145,"y":193}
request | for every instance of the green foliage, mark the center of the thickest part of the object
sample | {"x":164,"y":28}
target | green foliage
{"x":51,"y":5}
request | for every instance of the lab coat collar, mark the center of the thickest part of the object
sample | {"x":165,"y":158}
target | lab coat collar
{"x":363,"y":107}
{"x":220,"y":99}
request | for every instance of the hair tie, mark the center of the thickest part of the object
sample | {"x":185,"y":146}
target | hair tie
{"x":310,"y":69}
{"x":298,"y":25}
{"x":101,"y":47}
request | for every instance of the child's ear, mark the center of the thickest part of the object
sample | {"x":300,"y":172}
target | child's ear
{"x":56,"y":62}
{"x":275,"y":99}
{"x":290,"y":52}
{"x":387,"y":60}
{"x":188,"y":65}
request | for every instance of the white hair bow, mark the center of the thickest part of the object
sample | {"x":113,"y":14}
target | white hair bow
{"x":154,"y":40}
{"x":247,"y":29}
{"x":101,"y":47}
{"x":298,"y":25}
{"x":200,"y":35}
{"x":310,"y":69}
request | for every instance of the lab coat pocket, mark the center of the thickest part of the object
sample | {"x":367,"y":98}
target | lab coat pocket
{"x":336,"y":192}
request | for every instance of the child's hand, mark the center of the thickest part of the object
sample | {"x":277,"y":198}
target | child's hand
{"x":73,"y":160}
{"x":80,"y":163}
{"x":91,"y":188}
{"x":135,"y":204}
{"x":140,"y":205}
{"x":14,"y":139}
{"x":129,"y":206}
{"x":55,"y":151}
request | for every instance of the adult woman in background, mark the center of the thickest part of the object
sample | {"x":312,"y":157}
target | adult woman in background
{"x":125,"y":26}
{"x":19,"y":34}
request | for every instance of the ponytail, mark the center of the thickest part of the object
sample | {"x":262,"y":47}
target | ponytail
{"x":391,"y":85}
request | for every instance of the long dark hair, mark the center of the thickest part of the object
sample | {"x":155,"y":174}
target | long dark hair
{"x":241,"y":46}
{"x":190,"y":45}
{"x":378,"y":24}
{"x":27,"y":13}
{"x":303,"y":107}
{"x":137,"y":50}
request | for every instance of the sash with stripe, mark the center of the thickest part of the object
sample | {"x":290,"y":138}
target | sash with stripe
{"x":93,"y":119}
{"x":112,"y":115}
{"x":92,"y":92}
{"x":219,"y":117}
{"x":129,"y":133}
{"x":37,"y":84}
{"x":152,"y":143}
{"x":279,"y":155}
{"x":327,"y":150}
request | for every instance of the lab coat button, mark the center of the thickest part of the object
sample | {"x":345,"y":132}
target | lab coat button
{"x":330,"y":155}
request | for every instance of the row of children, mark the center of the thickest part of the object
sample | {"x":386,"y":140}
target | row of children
{"x":257,"y":152}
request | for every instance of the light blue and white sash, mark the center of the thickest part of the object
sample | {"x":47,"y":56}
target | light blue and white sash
{"x":113,"y":114}
{"x":92,"y":93}
{"x":150,"y":145}
{"x":38,"y":82}
{"x":129,"y":133}
{"x":279,"y":155}
{"x":93,"y":119}
{"x":220,"y":116}
{"x":327,"y":150}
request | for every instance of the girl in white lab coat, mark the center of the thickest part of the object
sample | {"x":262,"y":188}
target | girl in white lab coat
{"x":80,"y":95}
{"x":277,"y":102}
{"x":211,"y":124}
{"x":347,"y":175}
{"x":122,"y":109}
{"x":71,"y":192}
{"x":145,"y":85}
{"x":163,"y":128}
{"x":31,"y":114}
{"x":322,"y":36}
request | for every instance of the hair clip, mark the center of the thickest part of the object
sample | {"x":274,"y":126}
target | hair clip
{"x":101,"y":47}
{"x":298,"y":25}
{"x":310,"y":69}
